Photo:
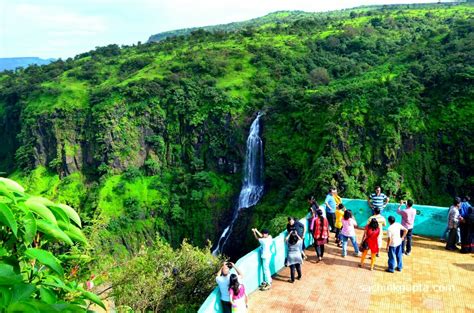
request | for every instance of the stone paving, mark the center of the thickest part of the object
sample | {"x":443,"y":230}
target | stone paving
{"x":432,"y":279}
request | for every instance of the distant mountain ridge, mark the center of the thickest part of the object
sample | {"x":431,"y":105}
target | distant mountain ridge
{"x":271,"y":18}
{"x":13,"y":63}
{"x":278,"y":17}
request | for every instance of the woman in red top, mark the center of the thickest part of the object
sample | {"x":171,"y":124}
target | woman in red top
{"x":370,"y":237}
{"x":320,"y":233}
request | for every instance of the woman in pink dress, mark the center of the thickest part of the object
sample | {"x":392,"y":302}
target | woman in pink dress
{"x":238,"y":296}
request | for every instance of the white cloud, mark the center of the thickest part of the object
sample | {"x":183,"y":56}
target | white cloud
{"x":33,"y":27}
{"x":64,"y":28}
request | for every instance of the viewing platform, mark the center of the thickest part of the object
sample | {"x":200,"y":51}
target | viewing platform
{"x":432,"y":279}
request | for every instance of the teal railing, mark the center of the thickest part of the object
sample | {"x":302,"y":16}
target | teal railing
{"x":430,"y":221}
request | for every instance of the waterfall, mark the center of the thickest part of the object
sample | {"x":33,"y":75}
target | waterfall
{"x":252,"y":185}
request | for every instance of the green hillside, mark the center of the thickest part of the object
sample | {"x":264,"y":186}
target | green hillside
{"x":150,"y":138}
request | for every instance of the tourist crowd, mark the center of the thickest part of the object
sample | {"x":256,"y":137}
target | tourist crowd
{"x":333,"y":217}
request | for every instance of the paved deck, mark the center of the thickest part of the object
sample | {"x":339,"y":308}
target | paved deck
{"x":432,"y":279}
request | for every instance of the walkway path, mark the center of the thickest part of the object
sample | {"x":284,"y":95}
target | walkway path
{"x":432,"y":279}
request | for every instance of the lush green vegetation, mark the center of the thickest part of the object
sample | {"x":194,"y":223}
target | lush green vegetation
{"x":40,"y":254}
{"x":150,"y":139}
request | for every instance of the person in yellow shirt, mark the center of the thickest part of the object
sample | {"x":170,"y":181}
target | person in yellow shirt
{"x":338,"y":224}
{"x":337,"y":198}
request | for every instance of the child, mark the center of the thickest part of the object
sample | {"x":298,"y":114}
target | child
{"x":338,"y":224}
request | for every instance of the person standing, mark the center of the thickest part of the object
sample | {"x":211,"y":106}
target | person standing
{"x":395,"y":235}
{"x":265,"y":241}
{"x":338,"y":224}
{"x":320,"y":234}
{"x":464,"y":227}
{"x":408,"y":221}
{"x":469,"y":220}
{"x":300,"y":228}
{"x":348,"y":232}
{"x":382,"y":223}
{"x":330,"y":203}
{"x":453,"y":224}
{"x":238,"y":296}
{"x":370,"y":242}
{"x":378,"y":200}
{"x":309,"y":221}
{"x":293,"y":259}
{"x":223,"y":280}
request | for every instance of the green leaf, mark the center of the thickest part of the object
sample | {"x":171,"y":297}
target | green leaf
{"x":53,"y":231}
{"x":3,"y":252}
{"x":48,"y":296}
{"x":22,"y":292}
{"x":46,"y":258}
{"x":73,"y":232}
{"x":56,"y":282}
{"x":7,"y":218}
{"x":59,"y":214}
{"x":29,"y":223}
{"x":71,"y":213}
{"x":5,"y":297}
{"x":41,"y":200}
{"x":4,"y":191}
{"x":41,"y":210}
{"x":8,"y":277}
{"x":94,"y":298}
{"x":82,"y":257}
{"x":12,"y":185}
{"x":18,"y":307}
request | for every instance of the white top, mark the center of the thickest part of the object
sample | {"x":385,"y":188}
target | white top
{"x":393,"y":232}
{"x":348,"y":227}
{"x":223,"y":284}
{"x":265,"y":244}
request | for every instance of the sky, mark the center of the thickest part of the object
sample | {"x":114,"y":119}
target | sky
{"x":65,"y":28}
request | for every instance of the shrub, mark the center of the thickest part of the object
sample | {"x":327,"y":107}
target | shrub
{"x":161,"y":279}
{"x":319,"y":76}
{"x":38,"y":241}
{"x":135,"y":64}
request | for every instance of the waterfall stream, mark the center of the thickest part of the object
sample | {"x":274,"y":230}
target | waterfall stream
{"x":252,"y":185}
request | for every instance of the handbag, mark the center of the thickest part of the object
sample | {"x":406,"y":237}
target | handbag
{"x":364,"y":245}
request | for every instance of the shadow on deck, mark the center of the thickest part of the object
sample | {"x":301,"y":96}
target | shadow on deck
{"x":432,"y":279}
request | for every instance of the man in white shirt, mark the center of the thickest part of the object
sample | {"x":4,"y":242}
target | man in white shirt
{"x":396,"y":234}
{"x":265,"y":241}
{"x":223,"y":280}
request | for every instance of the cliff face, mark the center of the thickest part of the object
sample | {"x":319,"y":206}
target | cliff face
{"x":154,"y":135}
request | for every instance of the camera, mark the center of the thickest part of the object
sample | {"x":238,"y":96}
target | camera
{"x":229,"y":265}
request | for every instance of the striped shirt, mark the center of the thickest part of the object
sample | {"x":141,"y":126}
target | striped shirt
{"x":378,"y":201}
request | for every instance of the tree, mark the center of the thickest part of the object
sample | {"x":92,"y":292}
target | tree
{"x":37,"y":240}
{"x":319,"y":76}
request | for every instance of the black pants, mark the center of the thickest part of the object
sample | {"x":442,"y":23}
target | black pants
{"x":451,"y":243}
{"x":292,"y":270}
{"x":338,"y":232}
{"x":226,"y":306}
{"x":331,"y":219}
{"x":407,"y":241}
{"x":465,"y":237}
{"x":319,"y":250}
